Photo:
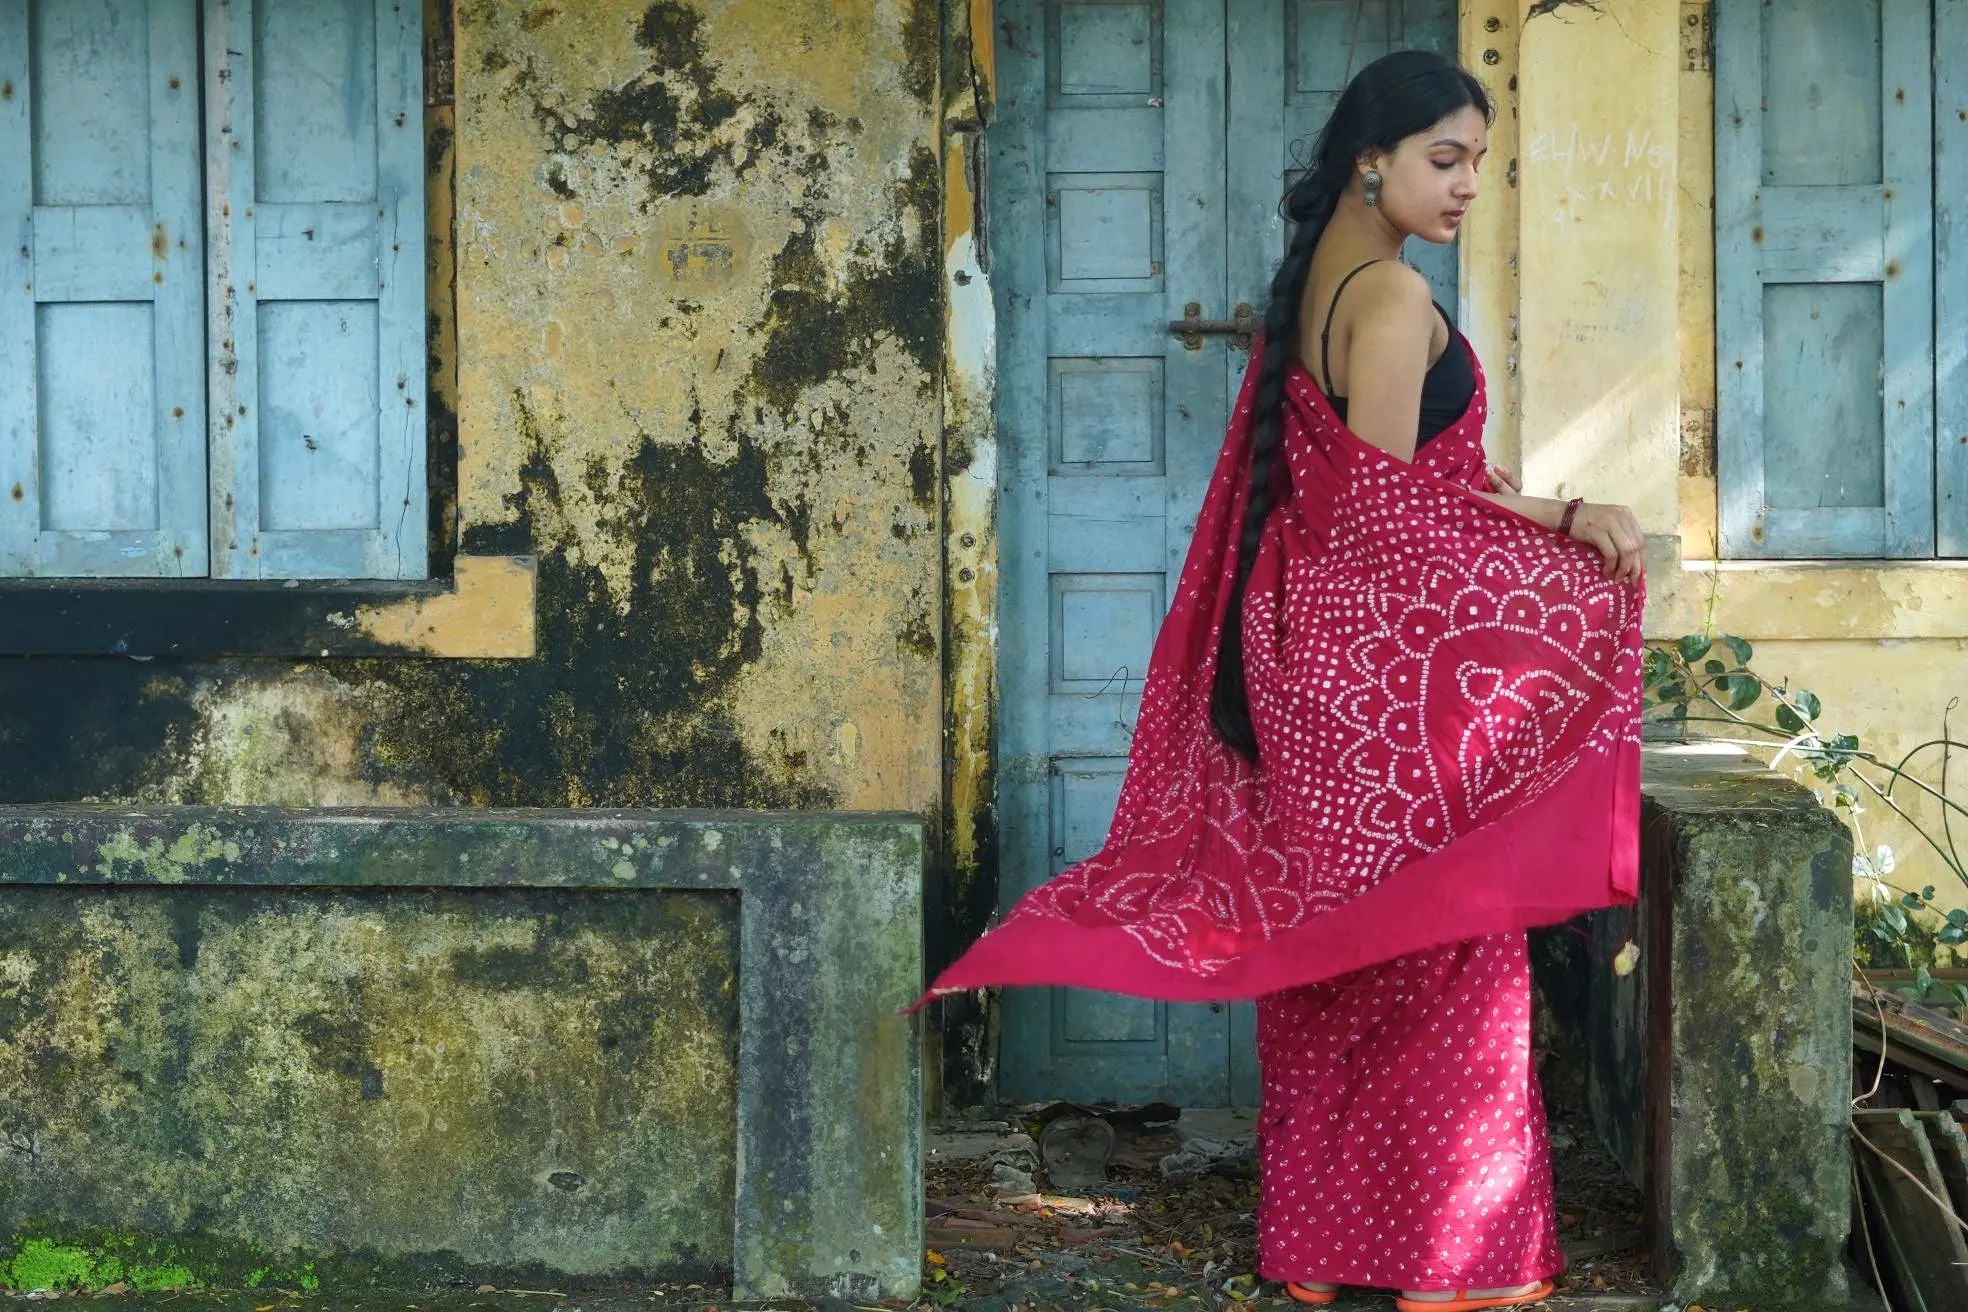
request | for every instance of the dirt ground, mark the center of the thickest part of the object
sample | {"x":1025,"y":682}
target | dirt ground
{"x":1137,"y":1241}
{"x":1143,"y":1241}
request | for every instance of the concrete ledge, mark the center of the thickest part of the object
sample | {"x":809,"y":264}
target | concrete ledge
{"x":1720,"y":1070}
{"x":160,"y":968}
{"x":1805,"y":600}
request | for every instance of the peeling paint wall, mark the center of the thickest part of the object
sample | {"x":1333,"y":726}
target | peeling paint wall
{"x":695,"y":366}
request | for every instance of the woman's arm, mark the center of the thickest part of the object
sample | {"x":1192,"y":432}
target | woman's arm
{"x":1387,"y":356}
{"x":1386,"y":360}
{"x":1611,"y":530}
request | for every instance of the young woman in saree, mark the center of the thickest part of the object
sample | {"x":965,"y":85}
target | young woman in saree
{"x":1391,"y":721}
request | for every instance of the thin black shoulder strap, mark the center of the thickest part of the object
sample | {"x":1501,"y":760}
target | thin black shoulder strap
{"x":1325,"y":334}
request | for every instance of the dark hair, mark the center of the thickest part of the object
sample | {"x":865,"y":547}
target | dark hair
{"x":1392,"y":98}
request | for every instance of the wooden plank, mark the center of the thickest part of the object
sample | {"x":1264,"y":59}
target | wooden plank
{"x":1197,"y":396}
{"x":1875,"y":1211}
{"x":1950,"y":1145}
{"x":1931,"y":1250}
{"x":1951,"y":277}
{"x":1017,"y":201}
{"x":19,"y":405}
{"x":1738,"y":287}
{"x":1906,"y":111}
{"x":1908,"y":1057}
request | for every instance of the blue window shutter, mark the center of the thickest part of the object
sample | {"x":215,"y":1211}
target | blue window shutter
{"x":316,"y":223}
{"x":1824,"y":278}
{"x":102,"y":451}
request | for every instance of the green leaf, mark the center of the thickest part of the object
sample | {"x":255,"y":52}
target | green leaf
{"x":1911,"y":901}
{"x":1894,"y":917}
{"x":1960,"y":992}
{"x":1923,"y":979}
{"x":1909,"y":993}
{"x":1693,"y":647}
{"x":1952,"y":934}
{"x":1747,"y":690}
{"x":1927,"y":893}
{"x":1878,"y":929}
{"x":1714,"y":666}
{"x":1807,"y":702}
{"x":1788,"y":720}
{"x":1681,"y":710}
{"x":1958,"y":918}
{"x":1740,"y":649}
{"x":1673,"y":692}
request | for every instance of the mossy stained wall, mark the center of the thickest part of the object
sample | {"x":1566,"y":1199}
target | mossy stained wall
{"x":448,"y":1082}
{"x":695,"y":366}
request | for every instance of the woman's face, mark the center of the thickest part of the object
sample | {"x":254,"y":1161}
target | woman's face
{"x":1429,"y":181}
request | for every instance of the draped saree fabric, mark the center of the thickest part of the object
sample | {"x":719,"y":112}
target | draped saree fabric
{"x":1446,"y":697}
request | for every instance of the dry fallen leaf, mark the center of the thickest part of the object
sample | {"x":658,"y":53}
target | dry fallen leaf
{"x":1628,"y":958}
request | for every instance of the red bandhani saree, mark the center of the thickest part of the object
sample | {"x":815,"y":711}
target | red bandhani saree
{"x":1446,"y":696}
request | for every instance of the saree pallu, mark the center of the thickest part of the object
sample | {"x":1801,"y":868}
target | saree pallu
{"x":1446,"y":698}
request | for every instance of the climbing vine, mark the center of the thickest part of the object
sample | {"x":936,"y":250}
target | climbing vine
{"x":1706,"y":679}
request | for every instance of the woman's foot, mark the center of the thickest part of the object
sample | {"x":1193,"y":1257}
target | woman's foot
{"x":1464,"y":1300}
{"x":1311,"y":1291}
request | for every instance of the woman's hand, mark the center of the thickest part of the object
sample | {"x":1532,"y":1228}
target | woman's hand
{"x":1615,"y":534}
{"x":1502,"y":480}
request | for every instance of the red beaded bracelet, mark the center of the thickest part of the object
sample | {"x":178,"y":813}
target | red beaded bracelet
{"x":1571,"y":512}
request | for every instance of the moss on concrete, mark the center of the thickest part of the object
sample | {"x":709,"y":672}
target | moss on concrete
{"x":270,"y":1077}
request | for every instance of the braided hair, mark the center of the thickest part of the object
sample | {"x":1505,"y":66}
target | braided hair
{"x":1393,"y":98}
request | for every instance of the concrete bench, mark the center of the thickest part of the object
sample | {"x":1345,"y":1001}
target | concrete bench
{"x":397,"y":1047}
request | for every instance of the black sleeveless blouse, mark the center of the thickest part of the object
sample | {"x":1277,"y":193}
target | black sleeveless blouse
{"x":1445,"y":388}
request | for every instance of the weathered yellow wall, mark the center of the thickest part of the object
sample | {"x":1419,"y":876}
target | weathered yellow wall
{"x":1598,"y":378}
{"x":696,"y":373}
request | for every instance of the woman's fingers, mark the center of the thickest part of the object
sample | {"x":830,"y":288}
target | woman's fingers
{"x":1615,"y":534}
{"x":1502,"y":480}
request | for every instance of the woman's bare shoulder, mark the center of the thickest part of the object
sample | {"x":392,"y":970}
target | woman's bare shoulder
{"x":1390,"y":289}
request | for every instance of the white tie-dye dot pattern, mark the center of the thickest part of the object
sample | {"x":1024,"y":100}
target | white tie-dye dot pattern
{"x":1422,"y":665}
{"x":1402,"y":1135}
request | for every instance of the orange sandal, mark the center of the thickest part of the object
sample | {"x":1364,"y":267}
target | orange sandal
{"x":1317,"y":1297}
{"x":1463,"y":1303}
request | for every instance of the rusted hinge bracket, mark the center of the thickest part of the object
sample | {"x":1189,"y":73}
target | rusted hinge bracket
{"x":1697,"y":36}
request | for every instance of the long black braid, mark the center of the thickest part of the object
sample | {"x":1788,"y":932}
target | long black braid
{"x":1394,"y":97}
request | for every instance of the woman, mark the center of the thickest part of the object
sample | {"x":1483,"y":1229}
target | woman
{"x":1391,"y":721}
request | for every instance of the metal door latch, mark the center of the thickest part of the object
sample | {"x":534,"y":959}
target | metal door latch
{"x":1191,"y":327}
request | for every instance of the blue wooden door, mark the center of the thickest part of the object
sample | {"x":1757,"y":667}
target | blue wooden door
{"x":1138,"y":155}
